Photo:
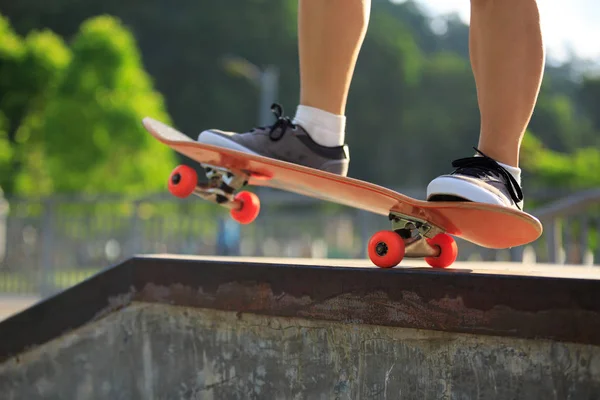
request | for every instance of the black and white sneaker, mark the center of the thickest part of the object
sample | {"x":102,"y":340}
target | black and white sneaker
{"x":283,"y":141}
{"x":478,"y":179}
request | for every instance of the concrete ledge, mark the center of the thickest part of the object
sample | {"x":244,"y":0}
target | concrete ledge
{"x":498,"y":300}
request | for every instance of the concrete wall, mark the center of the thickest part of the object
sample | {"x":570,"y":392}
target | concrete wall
{"x":153,"y":351}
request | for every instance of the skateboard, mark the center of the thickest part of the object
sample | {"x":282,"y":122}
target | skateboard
{"x":419,"y":229}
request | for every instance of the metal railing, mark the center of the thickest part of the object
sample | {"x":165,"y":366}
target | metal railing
{"x":571,"y":228}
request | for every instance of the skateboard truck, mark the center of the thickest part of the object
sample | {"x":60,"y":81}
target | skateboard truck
{"x":413,"y":238}
{"x":222,"y":184}
{"x":414,"y":231}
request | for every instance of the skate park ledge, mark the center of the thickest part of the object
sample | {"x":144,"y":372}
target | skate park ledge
{"x":508,"y":299}
{"x":545,"y":318}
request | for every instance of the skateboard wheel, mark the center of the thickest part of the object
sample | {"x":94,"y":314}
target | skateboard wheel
{"x":448,"y":251}
{"x":386,"y":249}
{"x":249,"y":210}
{"x":183,"y":181}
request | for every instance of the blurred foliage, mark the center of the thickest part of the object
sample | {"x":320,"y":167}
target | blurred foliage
{"x":71,"y":114}
{"x":412,"y":106}
{"x":575,"y":170}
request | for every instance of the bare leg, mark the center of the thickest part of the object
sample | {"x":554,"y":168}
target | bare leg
{"x":331,"y":33}
{"x":507,"y":57}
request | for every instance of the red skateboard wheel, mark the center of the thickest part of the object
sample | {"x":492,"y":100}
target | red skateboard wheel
{"x":386,"y":249}
{"x":448,"y":251}
{"x":183,"y":181}
{"x":249,"y":210}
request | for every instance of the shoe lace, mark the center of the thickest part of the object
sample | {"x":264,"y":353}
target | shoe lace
{"x":281,"y":125}
{"x":481,"y":167}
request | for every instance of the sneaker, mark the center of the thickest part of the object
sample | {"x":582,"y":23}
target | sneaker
{"x":283,"y":141}
{"x":477,"y":179}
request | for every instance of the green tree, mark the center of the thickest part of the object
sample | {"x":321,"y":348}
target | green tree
{"x":413,"y":85}
{"x":83,"y":132}
{"x":563,"y":149}
{"x":589,"y":98}
{"x":387,"y":72}
{"x":441,"y":123}
{"x":6,"y":150}
{"x":30,"y":69}
{"x":576,"y":170}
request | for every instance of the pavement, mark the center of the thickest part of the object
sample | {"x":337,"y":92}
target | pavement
{"x":11,"y":304}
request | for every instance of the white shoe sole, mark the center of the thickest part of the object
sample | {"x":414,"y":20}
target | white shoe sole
{"x":446,"y":185}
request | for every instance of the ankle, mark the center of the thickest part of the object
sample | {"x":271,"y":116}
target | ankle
{"x":323,"y":127}
{"x":514,"y":171}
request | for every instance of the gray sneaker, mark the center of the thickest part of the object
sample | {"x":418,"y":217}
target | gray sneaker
{"x":477,"y":179}
{"x":283,"y":141}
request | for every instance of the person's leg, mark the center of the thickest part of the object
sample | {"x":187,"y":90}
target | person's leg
{"x":330,"y":37}
{"x":507,"y":57}
{"x":331,"y":34}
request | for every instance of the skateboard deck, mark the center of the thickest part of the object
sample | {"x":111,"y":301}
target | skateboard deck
{"x":419,"y":228}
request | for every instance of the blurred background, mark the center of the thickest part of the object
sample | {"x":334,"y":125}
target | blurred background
{"x":84,"y":186}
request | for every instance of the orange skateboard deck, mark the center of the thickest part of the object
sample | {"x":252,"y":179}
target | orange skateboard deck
{"x":419,"y":228}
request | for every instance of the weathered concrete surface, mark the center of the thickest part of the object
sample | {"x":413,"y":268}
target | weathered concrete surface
{"x":158,"y":351}
{"x":188,"y":328}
